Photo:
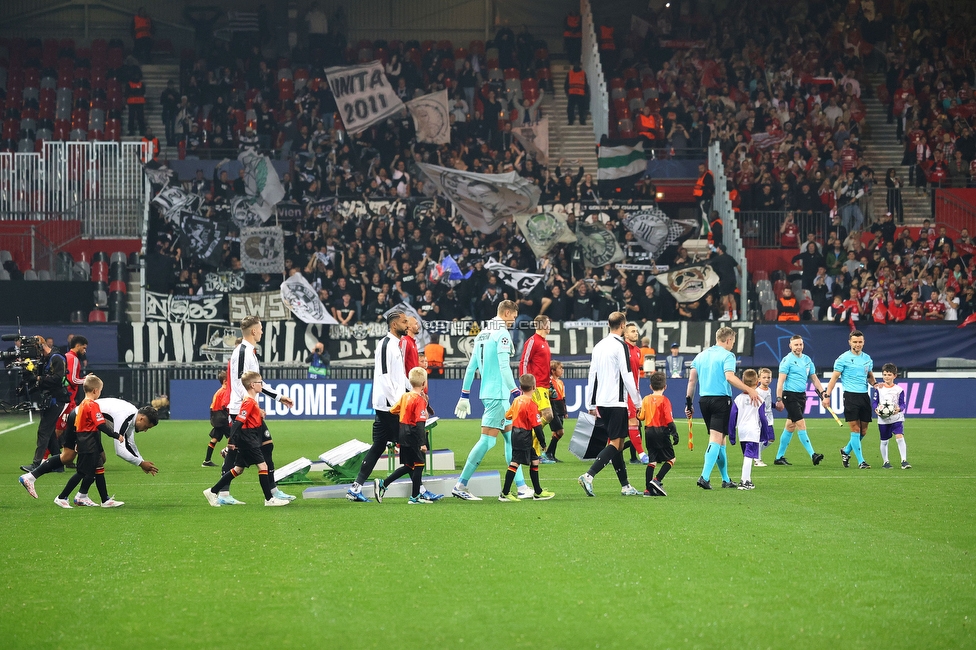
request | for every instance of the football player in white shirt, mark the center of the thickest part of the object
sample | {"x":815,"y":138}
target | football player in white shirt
{"x":127,"y":420}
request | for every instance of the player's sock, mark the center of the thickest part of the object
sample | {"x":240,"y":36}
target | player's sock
{"x":635,"y":439}
{"x":268,"y":452}
{"x":509,"y":477}
{"x":620,"y":468}
{"x":784,"y":442}
{"x":50,"y":465}
{"x":230,"y":461}
{"x":856,"y":447}
{"x":416,"y":477}
{"x":723,"y":463}
{"x":884,"y":451}
{"x":665,"y":468}
{"x":648,"y":475}
{"x":711,"y":457}
{"x":602,"y":459}
{"x":849,"y":447}
{"x":746,"y":468}
{"x":519,"y":477}
{"x":475,"y":456}
{"x":265,"y":480}
{"x":100,"y":484}
{"x":86,"y":484}
{"x":225,"y":480}
{"x":210,"y":449}
{"x":399,"y":472}
{"x":556,"y":435}
{"x":534,"y":475}
{"x":70,"y":485}
{"x":805,"y":441}
{"x":902,"y":448}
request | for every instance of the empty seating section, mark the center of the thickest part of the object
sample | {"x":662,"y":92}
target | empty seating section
{"x":54,"y":90}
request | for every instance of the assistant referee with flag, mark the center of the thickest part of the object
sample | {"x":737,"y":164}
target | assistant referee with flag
{"x":715,"y":367}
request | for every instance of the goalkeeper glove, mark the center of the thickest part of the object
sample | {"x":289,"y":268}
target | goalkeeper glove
{"x":463,"y":408}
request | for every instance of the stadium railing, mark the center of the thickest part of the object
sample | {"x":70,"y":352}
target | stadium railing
{"x":730,"y":233}
{"x":599,"y":97}
{"x":99,"y":183}
{"x":761,"y":229}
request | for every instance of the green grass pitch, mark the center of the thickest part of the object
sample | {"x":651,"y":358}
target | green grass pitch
{"x":814,"y":557}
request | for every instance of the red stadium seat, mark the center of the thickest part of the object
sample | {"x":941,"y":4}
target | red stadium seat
{"x":770,"y":315}
{"x":99,"y":272}
{"x":97,"y":316}
{"x":617,"y":82}
{"x":117,"y":285}
{"x":759,"y":275}
{"x":778,"y":287}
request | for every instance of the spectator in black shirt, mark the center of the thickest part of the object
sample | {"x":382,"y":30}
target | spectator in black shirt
{"x":649,"y":308}
{"x":584,"y":302}
{"x":488,"y":304}
{"x":886,"y":227}
{"x":446,"y":307}
{"x":726,"y":268}
{"x":809,"y":261}
{"x":556,"y":305}
{"x":373,"y":312}
{"x":426,"y":306}
{"x":344,"y":311}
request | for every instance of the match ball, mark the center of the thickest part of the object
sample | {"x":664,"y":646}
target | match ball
{"x":886,"y":409}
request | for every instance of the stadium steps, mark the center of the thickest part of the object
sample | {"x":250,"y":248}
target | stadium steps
{"x":133,"y":304}
{"x":155,"y":76}
{"x":569,"y":142}
{"x":882,"y":151}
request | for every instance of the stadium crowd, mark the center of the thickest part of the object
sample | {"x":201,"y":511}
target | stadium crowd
{"x":784,"y":104}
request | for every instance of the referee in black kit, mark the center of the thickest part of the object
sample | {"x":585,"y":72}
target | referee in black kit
{"x":608,"y":386}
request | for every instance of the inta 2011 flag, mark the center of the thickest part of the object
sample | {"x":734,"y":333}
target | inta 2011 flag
{"x":620,"y":162}
{"x":363,"y":95}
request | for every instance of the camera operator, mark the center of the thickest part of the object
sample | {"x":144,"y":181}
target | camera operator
{"x":53,"y":396}
{"x":78,"y":346}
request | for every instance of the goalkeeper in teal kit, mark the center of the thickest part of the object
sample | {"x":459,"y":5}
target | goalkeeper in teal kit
{"x":492,"y":356}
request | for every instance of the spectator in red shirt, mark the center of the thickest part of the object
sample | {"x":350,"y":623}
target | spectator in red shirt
{"x":934,"y":308}
{"x":897,"y":310}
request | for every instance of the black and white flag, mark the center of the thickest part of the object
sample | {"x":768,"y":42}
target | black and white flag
{"x":534,"y":138}
{"x":431,"y":118}
{"x":363,"y":95}
{"x":261,"y":183}
{"x":485,"y":201}
{"x":223,"y":281}
{"x":689,"y":283}
{"x":598,"y":245}
{"x":522,"y":281}
{"x":304,"y":301}
{"x":263,"y":250}
{"x":172,"y":200}
{"x":654,"y":230}
{"x":204,"y":238}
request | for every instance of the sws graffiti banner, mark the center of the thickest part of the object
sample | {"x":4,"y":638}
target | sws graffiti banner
{"x":266,"y":305}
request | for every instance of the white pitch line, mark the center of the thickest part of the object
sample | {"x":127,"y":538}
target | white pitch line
{"x":19,"y":426}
